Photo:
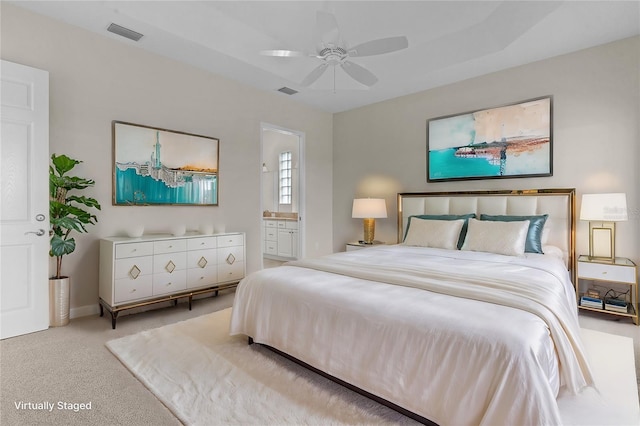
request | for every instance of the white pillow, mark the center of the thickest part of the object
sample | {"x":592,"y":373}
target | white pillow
{"x":506,"y":238}
{"x":434,"y":233}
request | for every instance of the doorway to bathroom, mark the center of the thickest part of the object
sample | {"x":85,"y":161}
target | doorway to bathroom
{"x":282,"y":198}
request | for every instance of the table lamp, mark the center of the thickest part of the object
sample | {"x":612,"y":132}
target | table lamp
{"x":369,"y":209}
{"x":603,"y":211}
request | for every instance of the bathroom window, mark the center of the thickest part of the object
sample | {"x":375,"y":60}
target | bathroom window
{"x":285,"y":177}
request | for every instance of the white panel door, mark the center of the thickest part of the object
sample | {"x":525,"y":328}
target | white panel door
{"x":24,"y":200}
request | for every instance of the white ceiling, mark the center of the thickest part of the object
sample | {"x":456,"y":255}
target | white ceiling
{"x":449,"y":41}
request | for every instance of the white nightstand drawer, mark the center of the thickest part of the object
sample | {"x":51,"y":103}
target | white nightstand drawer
{"x":600,"y":271}
{"x":271,"y":223}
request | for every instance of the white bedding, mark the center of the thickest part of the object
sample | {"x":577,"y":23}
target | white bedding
{"x":453,"y":360}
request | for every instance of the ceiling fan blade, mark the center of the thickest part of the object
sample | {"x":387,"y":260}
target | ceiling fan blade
{"x":359,"y":73}
{"x":380,"y":46}
{"x":327,"y":28}
{"x":282,"y":53}
{"x":314,"y":75}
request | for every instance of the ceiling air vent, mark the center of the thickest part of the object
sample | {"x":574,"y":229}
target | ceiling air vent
{"x":287,"y":91}
{"x":124,"y":32}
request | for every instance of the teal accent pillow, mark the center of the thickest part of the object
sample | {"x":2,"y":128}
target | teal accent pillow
{"x":463,"y":231}
{"x":534,"y":234}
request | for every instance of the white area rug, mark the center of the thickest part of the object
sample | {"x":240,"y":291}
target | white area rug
{"x":206,"y":377}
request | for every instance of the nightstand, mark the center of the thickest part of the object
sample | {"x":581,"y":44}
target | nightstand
{"x":621,"y":272}
{"x":357,"y":245}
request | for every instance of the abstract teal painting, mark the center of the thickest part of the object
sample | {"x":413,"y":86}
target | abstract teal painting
{"x":157,"y":166}
{"x":504,"y":142}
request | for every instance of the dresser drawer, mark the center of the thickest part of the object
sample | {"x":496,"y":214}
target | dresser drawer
{"x":166,"y":263}
{"x":202,"y":243}
{"x":134,"y":249}
{"x":271,"y":223}
{"x":129,"y":290}
{"x":169,"y":283}
{"x":169,"y":246}
{"x":230,"y":255}
{"x":230,"y":240}
{"x":600,"y":271}
{"x":202,"y":277}
{"x":202,"y":258}
{"x":133,"y":267}
{"x":233,"y":272}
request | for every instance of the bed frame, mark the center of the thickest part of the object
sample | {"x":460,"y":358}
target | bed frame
{"x":559,"y":204}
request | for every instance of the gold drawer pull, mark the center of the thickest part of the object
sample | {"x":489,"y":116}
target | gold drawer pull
{"x":133,"y":291}
{"x":168,"y":284}
{"x":604,"y":273}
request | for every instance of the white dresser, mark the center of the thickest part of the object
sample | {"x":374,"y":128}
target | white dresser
{"x":157,"y":268}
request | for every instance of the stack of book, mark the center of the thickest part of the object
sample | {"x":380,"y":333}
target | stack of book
{"x":591,"y":302}
{"x":615,"y":305}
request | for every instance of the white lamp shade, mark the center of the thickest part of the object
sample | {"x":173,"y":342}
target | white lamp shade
{"x":369,"y":208}
{"x":604,"y":207}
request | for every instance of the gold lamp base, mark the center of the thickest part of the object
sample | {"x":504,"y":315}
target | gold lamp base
{"x":602,"y":241}
{"x":369,"y":230}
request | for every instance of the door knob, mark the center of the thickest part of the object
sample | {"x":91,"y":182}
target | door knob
{"x":40,"y":217}
{"x":39,"y":232}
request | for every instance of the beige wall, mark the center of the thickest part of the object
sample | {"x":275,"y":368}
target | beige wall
{"x":94,"y":80}
{"x":380,"y":150}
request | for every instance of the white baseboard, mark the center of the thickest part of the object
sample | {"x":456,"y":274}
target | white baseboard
{"x":84,"y":311}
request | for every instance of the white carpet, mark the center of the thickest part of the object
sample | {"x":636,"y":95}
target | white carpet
{"x":206,"y":377}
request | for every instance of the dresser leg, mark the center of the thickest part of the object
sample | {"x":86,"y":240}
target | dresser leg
{"x":190,"y":299}
{"x":114,"y":317}
{"x":101,"y":309}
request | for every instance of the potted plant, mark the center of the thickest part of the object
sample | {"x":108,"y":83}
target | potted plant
{"x":67,"y":213}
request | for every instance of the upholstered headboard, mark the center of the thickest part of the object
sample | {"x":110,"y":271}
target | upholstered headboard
{"x":559,"y":204}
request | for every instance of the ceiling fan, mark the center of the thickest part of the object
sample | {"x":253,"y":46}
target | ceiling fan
{"x":332,"y":51}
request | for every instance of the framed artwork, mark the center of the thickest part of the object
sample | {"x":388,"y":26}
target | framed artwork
{"x":510,"y":141}
{"x":158,"y":167}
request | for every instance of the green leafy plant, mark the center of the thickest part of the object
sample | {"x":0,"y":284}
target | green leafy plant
{"x":67,"y":212}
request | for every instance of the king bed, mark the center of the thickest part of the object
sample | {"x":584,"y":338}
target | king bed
{"x":470,"y":319}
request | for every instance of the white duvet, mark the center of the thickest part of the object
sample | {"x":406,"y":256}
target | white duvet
{"x":457,"y":337}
